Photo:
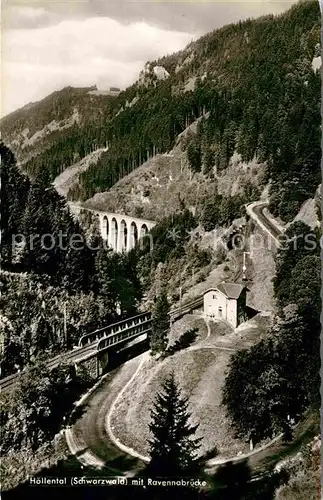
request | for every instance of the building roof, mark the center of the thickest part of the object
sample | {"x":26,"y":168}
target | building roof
{"x":230,"y":290}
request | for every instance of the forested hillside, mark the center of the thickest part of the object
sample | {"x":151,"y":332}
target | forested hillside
{"x":236,"y":117}
{"x":282,"y":370}
{"x":253,"y":82}
{"x":57,"y":281}
{"x":59,"y":129}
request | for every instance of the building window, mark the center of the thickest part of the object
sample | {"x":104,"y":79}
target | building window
{"x":220,"y":311}
{"x":214,"y":296}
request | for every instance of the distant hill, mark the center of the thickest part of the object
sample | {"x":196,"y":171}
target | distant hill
{"x":64,"y":118}
{"x":256,"y":83}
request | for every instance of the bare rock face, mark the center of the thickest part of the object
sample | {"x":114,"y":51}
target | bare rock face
{"x":160,"y":72}
{"x":152,"y":73}
{"x":316,"y":63}
{"x":69,"y":177}
{"x":308,"y":214}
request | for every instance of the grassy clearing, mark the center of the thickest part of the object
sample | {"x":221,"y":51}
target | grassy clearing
{"x":200,"y":374}
{"x":246,"y":335}
{"x":200,"y":371}
{"x":187,"y":322}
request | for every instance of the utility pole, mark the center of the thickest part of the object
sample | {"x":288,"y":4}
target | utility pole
{"x":180,"y":290}
{"x":65,"y":324}
{"x":244,"y":267}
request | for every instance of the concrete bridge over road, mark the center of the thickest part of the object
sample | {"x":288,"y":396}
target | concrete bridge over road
{"x":96,"y":348}
{"x":122,"y":232}
{"x":93,"y":349}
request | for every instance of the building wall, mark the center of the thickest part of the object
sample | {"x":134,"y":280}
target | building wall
{"x":241,"y":308}
{"x":232,"y":317}
{"x":218,"y":306}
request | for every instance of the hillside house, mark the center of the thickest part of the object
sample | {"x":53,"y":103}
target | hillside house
{"x":226,"y":302}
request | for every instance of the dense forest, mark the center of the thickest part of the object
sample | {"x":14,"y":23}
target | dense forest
{"x":283,"y":369}
{"x":41,"y":401}
{"x":255,"y":86}
{"x":57,"y":282}
{"x":254,"y":89}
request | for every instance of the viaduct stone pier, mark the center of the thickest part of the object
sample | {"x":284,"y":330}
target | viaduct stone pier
{"x":122,"y":232}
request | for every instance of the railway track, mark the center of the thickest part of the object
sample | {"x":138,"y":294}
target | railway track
{"x":186,"y":308}
{"x":89,"y":343}
{"x":85,"y":350}
{"x":70,"y":356}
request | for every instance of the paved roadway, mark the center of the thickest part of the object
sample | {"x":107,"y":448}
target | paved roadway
{"x":92,"y":440}
{"x":256,"y":211}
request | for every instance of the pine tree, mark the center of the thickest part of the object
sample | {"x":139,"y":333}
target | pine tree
{"x":14,"y":192}
{"x":79,"y":262}
{"x":160,"y":324}
{"x":172,"y":447}
{"x":35,"y":224}
{"x":104,"y":277}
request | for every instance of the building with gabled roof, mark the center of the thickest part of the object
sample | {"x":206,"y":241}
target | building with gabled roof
{"x":226,"y":302}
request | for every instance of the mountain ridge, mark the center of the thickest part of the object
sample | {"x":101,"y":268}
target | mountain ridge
{"x":255,"y":79}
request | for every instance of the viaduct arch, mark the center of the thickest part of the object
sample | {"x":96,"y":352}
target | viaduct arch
{"x":122,"y":232}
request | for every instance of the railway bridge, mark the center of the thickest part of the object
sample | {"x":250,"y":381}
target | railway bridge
{"x":122,"y":232}
{"x":96,"y":350}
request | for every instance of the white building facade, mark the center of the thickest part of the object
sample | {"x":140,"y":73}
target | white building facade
{"x":226,"y":302}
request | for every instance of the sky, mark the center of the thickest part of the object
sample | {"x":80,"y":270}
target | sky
{"x":49,"y":44}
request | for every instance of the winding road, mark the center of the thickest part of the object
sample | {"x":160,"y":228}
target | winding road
{"x":88,"y":438}
{"x":92,"y":438}
{"x":93,"y":441}
{"x":256,"y":211}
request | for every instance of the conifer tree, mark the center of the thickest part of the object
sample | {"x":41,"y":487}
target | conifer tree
{"x":173,"y":446}
{"x":14,"y":192}
{"x":160,"y":324}
{"x":105,"y":272}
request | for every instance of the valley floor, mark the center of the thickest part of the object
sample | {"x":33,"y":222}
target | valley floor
{"x":200,"y":370}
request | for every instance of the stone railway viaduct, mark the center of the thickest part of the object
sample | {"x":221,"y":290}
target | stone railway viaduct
{"x":96,"y":349}
{"x":121,"y":231}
